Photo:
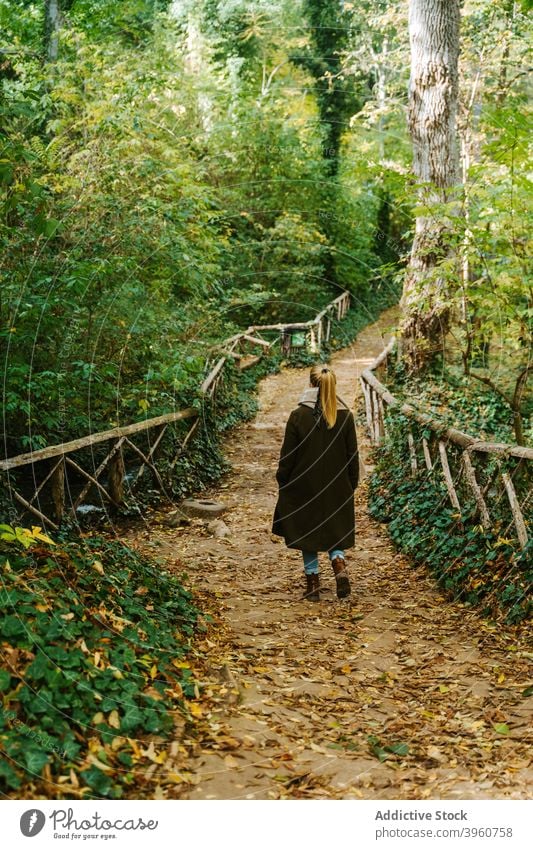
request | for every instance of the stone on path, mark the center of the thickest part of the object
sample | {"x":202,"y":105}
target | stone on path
{"x":203,"y":508}
{"x":218,"y":528}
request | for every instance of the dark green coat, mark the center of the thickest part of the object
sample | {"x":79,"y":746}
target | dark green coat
{"x":317,"y":475}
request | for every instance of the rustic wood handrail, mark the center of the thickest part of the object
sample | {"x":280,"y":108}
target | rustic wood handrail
{"x":94,"y":439}
{"x":113,"y":463}
{"x":377,"y":397}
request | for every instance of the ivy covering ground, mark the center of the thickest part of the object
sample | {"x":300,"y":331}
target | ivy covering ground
{"x":94,"y":640}
{"x":461,"y":401}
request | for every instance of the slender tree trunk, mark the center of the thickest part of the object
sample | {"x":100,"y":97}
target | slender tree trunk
{"x":52,"y":20}
{"x":469,"y":114}
{"x":194,"y":64}
{"x":433,"y":88}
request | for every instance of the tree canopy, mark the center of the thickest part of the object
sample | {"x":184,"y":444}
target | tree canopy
{"x":172,"y":171}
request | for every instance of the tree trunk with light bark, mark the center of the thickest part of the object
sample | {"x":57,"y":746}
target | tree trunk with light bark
{"x":433,"y":91}
{"x":52,"y":21}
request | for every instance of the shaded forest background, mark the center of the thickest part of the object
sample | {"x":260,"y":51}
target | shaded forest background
{"x":165,"y":181}
{"x":170,"y":172}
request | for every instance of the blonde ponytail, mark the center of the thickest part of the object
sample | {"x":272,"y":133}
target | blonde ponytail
{"x":323,"y":377}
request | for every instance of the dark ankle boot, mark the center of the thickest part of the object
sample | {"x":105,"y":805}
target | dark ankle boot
{"x":341,"y":577}
{"x":312,"y":590}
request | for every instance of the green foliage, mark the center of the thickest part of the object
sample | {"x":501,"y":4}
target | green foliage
{"x":478,"y":278}
{"x":457,"y":400}
{"x":95,"y":639}
{"x":480,"y":567}
{"x":337,"y":97}
{"x":154,"y":200}
{"x":384,"y":751}
{"x":23,"y":536}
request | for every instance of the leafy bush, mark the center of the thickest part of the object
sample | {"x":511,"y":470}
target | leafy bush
{"x":458,"y":400}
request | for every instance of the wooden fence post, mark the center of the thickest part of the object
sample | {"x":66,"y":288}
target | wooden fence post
{"x":470,"y":475}
{"x":381,"y":417}
{"x":116,"y":476}
{"x":515,"y":509}
{"x":368,"y":411}
{"x":412,"y":452}
{"x":427,"y":454}
{"x":319,"y":335}
{"x":58,"y":490}
{"x":448,"y":476}
{"x":375,"y":416}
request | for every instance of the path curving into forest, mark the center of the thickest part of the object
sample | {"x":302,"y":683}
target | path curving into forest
{"x":300,"y":700}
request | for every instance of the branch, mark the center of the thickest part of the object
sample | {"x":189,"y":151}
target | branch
{"x":508,"y":84}
{"x":265,"y":85}
{"x":489,"y":382}
{"x":519,"y":386}
{"x":9,"y":51}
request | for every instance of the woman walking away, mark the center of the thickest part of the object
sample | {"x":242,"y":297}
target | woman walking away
{"x":317,"y":474}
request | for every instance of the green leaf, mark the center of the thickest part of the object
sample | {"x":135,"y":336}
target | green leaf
{"x":97,"y":780}
{"x":401,"y":749}
{"x":8,"y":774}
{"x":527,"y":692}
{"x":5,"y":680}
{"x":501,"y":727}
{"x":12,"y":626}
{"x":35,"y":759}
{"x":376,"y":749}
{"x":131,"y":719}
{"x":47,"y":227}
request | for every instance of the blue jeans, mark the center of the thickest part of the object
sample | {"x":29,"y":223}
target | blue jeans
{"x":311,"y":559}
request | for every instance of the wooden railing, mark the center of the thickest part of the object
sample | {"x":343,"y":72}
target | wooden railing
{"x":316,"y":331}
{"x":54,"y":482}
{"x":466,"y":465}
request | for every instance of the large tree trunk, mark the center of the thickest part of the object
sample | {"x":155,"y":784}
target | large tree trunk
{"x":52,"y":20}
{"x":433,"y":87}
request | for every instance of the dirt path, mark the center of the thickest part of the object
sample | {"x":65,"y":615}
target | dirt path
{"x":299,"y":699}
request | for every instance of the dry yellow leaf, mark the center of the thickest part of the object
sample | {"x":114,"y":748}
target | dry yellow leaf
{"x":174,"y":778}
{"x":92,"y":759}
{"x":113,"y":719}
{"x":98,"y":567}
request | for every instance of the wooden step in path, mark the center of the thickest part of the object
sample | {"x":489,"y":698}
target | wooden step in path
{"x":300,"y":700}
